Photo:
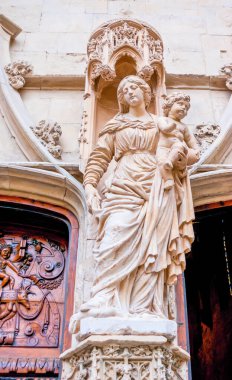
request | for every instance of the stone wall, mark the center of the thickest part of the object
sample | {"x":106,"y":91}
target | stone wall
{"x":196,"y":33}
{"x":196,"y":36}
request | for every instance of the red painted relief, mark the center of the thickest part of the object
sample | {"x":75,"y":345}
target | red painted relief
{"x":31,"y":290}
{"x":38,"y":246}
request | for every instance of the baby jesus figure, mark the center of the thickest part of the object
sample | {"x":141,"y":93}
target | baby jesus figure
{"x":176,"y":141}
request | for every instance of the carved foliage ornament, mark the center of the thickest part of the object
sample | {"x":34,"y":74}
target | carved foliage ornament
{"x":206,"y":134}
{"x":227,"y":70}
{"x":31,"y":274}
{"x":127,"y":363}
{"x":82,"y":135}
{"x":119,"y":34}
{"x":16,"y":72}
{"x":49,"y":133}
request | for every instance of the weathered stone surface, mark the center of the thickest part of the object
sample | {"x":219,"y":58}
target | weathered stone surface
{"x":197,"y":41}
{"x":125,"y":357}
{"x":127,"y":326}
{"x":183,"y":26}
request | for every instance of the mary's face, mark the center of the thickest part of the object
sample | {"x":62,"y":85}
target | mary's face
{"x":133,"y":94}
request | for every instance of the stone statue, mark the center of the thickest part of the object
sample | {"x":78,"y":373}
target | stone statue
{"x":144,"y":229}
{"x":175,"y":138}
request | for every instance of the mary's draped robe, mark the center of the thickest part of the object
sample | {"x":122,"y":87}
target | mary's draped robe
{"x":144,"y":231}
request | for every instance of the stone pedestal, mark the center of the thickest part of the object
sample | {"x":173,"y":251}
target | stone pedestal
{"x":127,"y":326}
{"x":118,"y":357}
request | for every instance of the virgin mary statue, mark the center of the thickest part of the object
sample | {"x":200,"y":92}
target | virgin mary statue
{"x":144,"y":231}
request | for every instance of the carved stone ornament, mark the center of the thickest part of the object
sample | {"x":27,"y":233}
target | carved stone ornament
{"x":82,"y":135}
{"x":102,"y":70}
{"x":128,"y":362}
{"x":16,"y":72}
{"x":227,"y":70}
{"x":206,"y":134}
{"x":139,"y":41}
{"x":49,"y":133}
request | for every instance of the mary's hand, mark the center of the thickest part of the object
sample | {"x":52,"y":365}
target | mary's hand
{"x":93,"y":198}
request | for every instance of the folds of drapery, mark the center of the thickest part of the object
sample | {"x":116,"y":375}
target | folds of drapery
{"x":141,"y":243}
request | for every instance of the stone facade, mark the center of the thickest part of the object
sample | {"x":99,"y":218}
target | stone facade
{"x":46,"y":51}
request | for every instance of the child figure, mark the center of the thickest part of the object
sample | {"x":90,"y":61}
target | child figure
{"x":5,"y":253}
{"x":176,"y":140}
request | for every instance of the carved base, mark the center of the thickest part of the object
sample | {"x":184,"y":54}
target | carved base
{"x":125,"y":358}
{"x":127,"y":326}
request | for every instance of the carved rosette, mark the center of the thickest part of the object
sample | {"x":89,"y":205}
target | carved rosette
{"x":206,"y":134}
{"x":138,"y":41}
{"x":16,"y":72}
{"x":227,"y":71}
{"x":132,"y":362}
{"x":49,"y":133}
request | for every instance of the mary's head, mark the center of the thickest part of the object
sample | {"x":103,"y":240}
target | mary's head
{"x":127,"y":84}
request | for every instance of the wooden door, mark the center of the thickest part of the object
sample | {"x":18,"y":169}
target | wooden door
{"x":34,"y":269}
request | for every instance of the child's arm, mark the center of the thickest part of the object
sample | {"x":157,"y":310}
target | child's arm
{"x":194,"y":149}
{"x":165,"y":126}
{"x":11,"y":266}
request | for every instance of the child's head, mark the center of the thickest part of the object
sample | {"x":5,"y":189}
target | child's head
{"x":5,"y":251}
{"x":173,"y":98}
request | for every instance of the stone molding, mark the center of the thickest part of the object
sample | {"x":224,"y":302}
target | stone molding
{"x":77,"y":82}
{"x":16,"y":72}
{"x":48,"y":133}
{"x":10,"y":27}
{"x":48,"y":187}
{"x":214,"y":185}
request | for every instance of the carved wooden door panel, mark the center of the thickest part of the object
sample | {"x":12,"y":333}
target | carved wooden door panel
{"x":33,"y":274}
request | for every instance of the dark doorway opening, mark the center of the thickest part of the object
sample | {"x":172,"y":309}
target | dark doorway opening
{"x":209,"y":298}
